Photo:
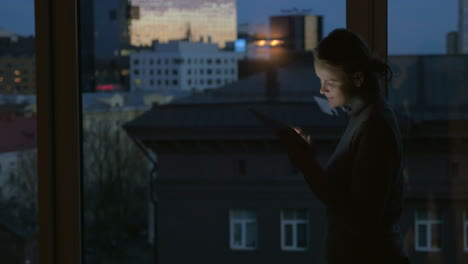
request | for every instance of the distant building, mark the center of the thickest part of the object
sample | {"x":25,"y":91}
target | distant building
{"x":18,"y":75}
{"x":183,"y":66}
{"x":430,"y":86}
{"x":298,"y":32}
{"x":463,"y":25}
{"x":452,"y":43}
{"x":170,"y":20}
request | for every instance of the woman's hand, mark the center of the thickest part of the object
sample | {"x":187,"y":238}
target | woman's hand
{"x":299,"y":147}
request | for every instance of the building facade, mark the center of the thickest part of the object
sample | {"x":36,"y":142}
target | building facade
{"x":300,"y":33}
{"x":170,"y":20}
{"x":183,"y":66}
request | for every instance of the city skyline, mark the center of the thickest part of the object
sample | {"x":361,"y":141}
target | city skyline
{"x":423,"y":35}
{"x":161,"y":20}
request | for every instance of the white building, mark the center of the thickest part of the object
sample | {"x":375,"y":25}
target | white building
{"x":183,"y":66}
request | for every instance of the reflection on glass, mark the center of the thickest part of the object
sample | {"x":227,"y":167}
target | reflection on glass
{"x":168,"y":145}
{"x":428,"y":92}
{"x":18,"y":135}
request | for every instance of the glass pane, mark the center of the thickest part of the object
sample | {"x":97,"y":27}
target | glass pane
{"x":428,"y":93}
{"x":236,"y":213}
{"x":301,"y":214}
{"x":288,"y":214}
{"x":249,"y":214}
{"x":18,"y":134}
{"x":251,"y":230}
{"x":166,"y":85}
{"x":422,"y":235}
{"x":238,"y":235}
{"x":436,"y":235}
{"x":288,"y":235}
{"x":422,"y":214}
{"x":302,"y":235}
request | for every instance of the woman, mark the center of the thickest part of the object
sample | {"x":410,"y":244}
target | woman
{"x":361,"y":185}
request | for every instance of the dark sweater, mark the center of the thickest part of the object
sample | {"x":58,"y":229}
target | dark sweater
{"x":363,"y":188}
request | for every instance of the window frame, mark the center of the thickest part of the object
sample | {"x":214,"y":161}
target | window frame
{"x":59,"y":117}
{"x":243,"y":223}
{"x":465,"y":230}
{"x":294,"y":222}
{"x":428,"y":222}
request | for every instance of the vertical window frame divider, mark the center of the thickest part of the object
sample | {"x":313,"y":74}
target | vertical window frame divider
{"x":59,"y":131}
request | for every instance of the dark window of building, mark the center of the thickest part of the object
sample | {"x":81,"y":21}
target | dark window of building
{"x":136,"y":72}
{"x":209,"y":71}
{"x":159,"y":72}
{"x":113,"y":15}
{"x":151,"y":62}
{"x":159,"y":82}
{"x":218,"y":61}
{"x":175,"y":82}
{"x":218,"y":71}
{"x":189,"y":82}
{"x":209,"y":81}
{"x":209,"y":61}
{"x":136,"y":61}
{"x":175,"y":72}
{"x":242,"y":167}
{"x":218,"y":81}
{"x":151,"y":82}
{"x":151,"y":72}
{"x":166,"y":82}
{"x":189,"y":71}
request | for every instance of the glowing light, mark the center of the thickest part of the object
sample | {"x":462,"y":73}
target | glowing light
{"x":261,"y":42}
{"x":276,"y":42}
{"x":108,"y":87}
{"x":17,"y":80}
{"x":1,"y":79}
{"x":17,"y":72}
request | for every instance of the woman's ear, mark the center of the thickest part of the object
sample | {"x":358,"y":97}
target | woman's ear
{"x":358,"y":78}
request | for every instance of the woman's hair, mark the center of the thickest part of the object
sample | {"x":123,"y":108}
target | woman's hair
{"x":346,"y":49}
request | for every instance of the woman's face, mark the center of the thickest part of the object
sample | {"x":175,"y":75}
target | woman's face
{"x":334,"y":83}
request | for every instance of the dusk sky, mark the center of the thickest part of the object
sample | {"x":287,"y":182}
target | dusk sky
{"x":415,"y":27}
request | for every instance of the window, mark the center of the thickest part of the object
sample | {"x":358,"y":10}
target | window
{"x":243,"y":229}
{"x":175,"y":82}
{"x":136,"y":72}
{"x":151,"y":62}
{"x":152,"y":82}
{"x":218,"y":61}
{"x":218,"y":81}
{"x":209,"y":61}
{"x":465,"y":230}
{"x":136,"y":61}
{"x":209,"y":81}
{"x":175,"y":72}
{"x":151,"y":72}
{"x":218,"y":71}
{"x":209,"y":71}
{"x":294,"y":229}
{"x":189,"y":71}
{"x":202,"y":71}
{"x":428,"y":231}
{"x":159,"y":72}
{"x":189,"y":82}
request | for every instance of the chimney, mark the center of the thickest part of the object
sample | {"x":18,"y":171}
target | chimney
{"x":272,"y":85}
{"x":209,"y":39}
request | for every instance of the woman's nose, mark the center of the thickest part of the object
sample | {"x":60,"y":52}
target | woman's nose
{"x":323,"y":88}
